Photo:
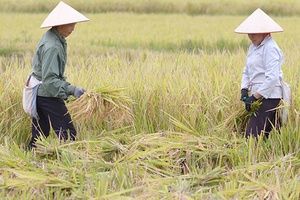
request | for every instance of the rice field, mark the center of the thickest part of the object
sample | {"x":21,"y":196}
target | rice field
{"x":180,"y":75}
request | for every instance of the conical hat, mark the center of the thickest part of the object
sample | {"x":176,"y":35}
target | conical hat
{"x":258,"y":22}
{"x":63,"y":14}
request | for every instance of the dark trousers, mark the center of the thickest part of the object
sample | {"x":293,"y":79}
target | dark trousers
{"x":52,"y":111}
{"x":264,"y":119}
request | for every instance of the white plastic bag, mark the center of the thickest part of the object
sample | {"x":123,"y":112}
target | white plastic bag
{"x":29,"y":96}
{"x":286,"y":97}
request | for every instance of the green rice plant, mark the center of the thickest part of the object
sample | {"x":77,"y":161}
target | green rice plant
{"x":191,"y":7}
{"x":14,"y":123}
{"x":252,"y":182}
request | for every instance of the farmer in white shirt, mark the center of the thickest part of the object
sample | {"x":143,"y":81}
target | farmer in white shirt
{"x":262,"y":73}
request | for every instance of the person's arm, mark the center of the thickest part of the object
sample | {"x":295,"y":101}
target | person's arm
{"x":52,"y":81}
{"x":272,"y":62}
{"x":245,"y":79}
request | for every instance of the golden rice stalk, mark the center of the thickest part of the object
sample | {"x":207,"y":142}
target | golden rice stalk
{"x":239,"y":119}
{"x":103,"y":104}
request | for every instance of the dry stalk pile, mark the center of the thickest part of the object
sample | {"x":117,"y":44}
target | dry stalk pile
{"x":103,"y":104}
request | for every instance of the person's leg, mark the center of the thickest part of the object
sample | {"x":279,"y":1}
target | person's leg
{"x":40,"y":126}
{"x":272,"y":118}
{"x":60,"y":119}
{"x":52,"y":111}
{"x":264,"y":119}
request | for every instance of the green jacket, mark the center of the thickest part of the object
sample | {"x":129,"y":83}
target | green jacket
{"x":48,"y":65}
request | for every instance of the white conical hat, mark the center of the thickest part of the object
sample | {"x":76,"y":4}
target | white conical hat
{"x":63,"y":14}
{"x":258,"y":22}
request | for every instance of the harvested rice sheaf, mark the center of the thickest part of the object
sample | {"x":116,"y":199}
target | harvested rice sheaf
{"x":103,"y":104}
{"x":239,"y":119}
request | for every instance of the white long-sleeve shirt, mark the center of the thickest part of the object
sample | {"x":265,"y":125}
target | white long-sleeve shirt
{"x":262,"y":72}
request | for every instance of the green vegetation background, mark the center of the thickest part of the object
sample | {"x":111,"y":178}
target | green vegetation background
{"x":192,"y":7}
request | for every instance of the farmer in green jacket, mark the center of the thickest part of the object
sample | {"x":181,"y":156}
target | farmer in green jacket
{"x":48,"y":65}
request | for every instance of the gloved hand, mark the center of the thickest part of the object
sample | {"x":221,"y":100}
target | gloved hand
{"x":78,"y":92}
{"x":249,"y":101}
{"x":244,"y":94}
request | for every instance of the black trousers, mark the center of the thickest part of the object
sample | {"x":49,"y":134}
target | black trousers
{"x":52,"y":112}
{"x":263,"y":121}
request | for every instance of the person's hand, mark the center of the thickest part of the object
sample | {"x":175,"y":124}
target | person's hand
{"x":78,"y":92}
{"x":250,"y":100}
{"x":244,"y":94}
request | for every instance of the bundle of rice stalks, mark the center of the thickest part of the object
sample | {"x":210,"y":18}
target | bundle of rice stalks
{"x":238,"y":120}
{"x":103,"y":104}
